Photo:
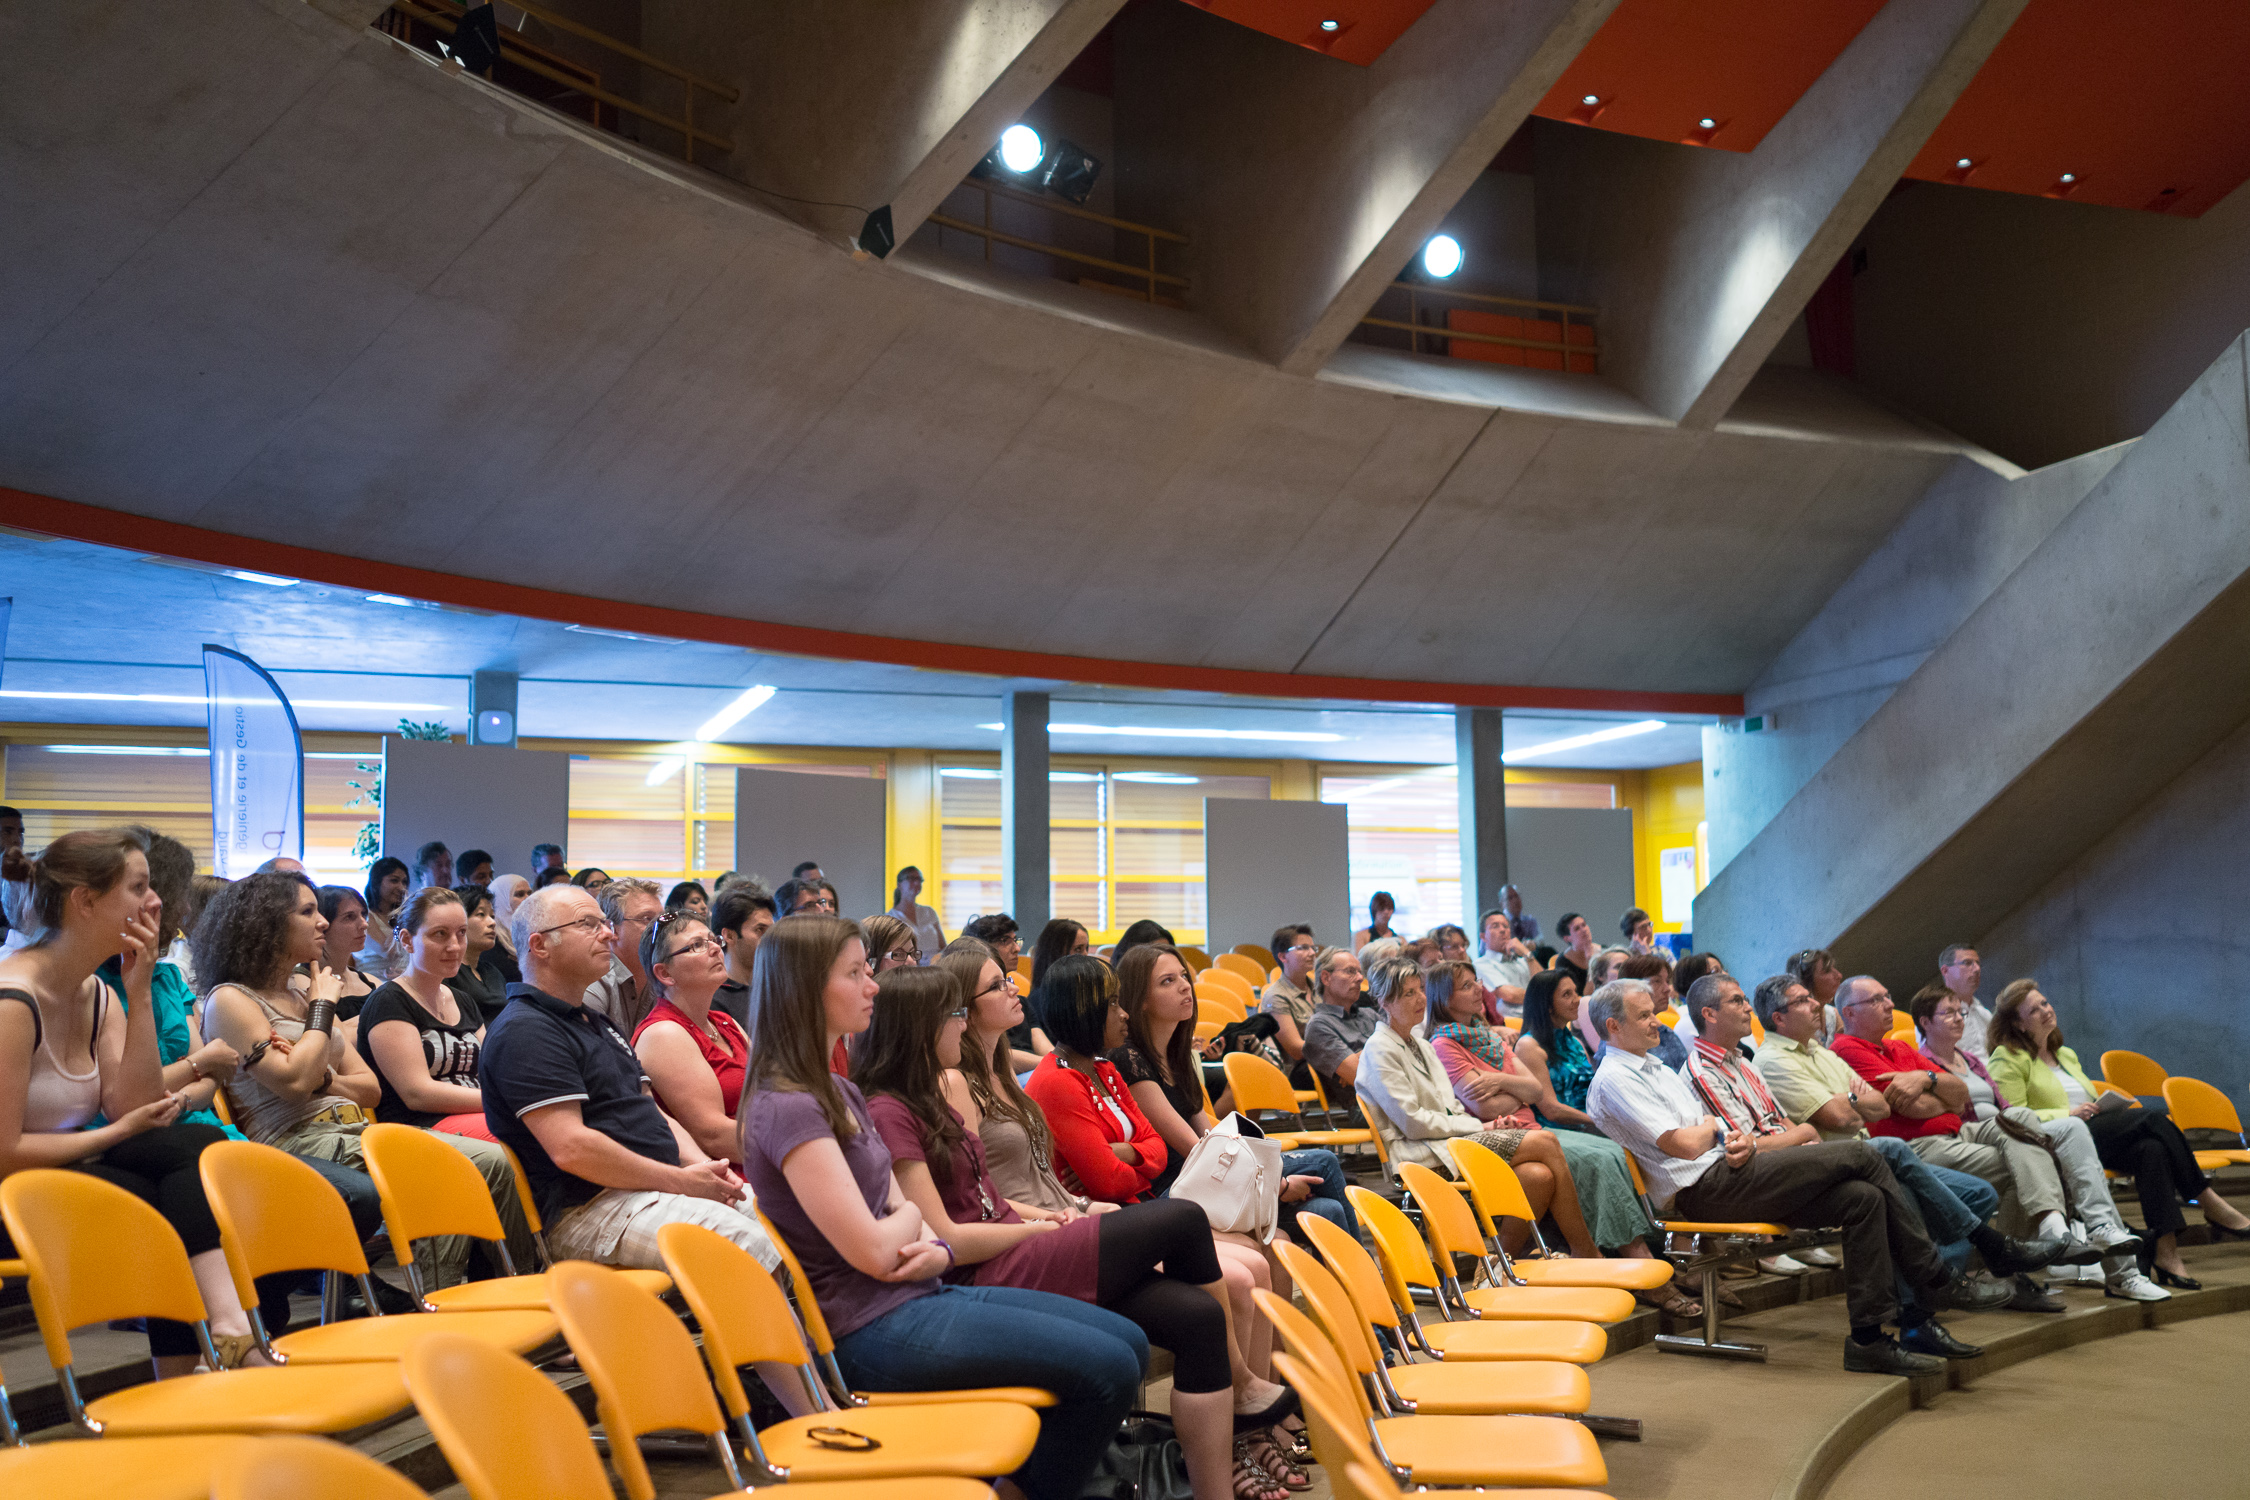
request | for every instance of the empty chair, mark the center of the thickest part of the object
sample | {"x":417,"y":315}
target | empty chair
{"x":151,"y":1468}
{"x":1197,"y":959}
{"x":1237,"y":963}
{"x":644,"y":1369}
{"x":1495,"y":1194}
{"x":510,"y":1434}
{"x":302,"y":1468}
{"x":2134,"y":1073}
{"x":1452,"y":1231}
{"x":2195,"y":1105}
{"x":277,"y":1214}
{"x":1258,"y":1085}
{"x":1259,"y":954}
{"x":1378,"y":1295}
{"x":96,"y":1253}
{"x":1228,"y":986}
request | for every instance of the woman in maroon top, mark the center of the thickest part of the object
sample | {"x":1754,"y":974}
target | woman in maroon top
{"x":1153,"y":1262}
{"x":694,"y":1055}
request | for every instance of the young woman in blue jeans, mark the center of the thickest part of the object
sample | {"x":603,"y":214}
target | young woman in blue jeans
{"x":822,"y":1176}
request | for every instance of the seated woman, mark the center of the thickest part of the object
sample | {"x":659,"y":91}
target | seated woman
{"x":1551,"y":1052}
{"x":300,"y":1088}
{"x":345,"y":912}
{"x":2031,"y":1066}
{"x":507,"y":892}
{"x":590,"y":879}
{"x":1153,"y":1262}
{"x":689,"y":896}
{"x":1940,"y":1016}
{"x":381,"y":955}
{"x":68,"y":1055}
{"x":1105,"y":1147}
{"x":695,"y":1055}
{"x":822,"y":1177}
{"x":422,"y":1033}
{"x":1018,"y":1147}
{"x":488,"y":967}
{"x":1494,"y":1086}
{"x":891,"y":944}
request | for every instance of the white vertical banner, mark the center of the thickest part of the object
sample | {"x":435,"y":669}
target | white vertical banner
{"x":257,"y":766}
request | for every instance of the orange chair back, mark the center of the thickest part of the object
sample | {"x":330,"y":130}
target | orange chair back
{"x":1447,"y":1219}
{"x":2195,"y":1105}
{"x":1337,"y":1440}
{"x":507,"y":1432}
{"x":738,"y":1305}
{"x":640,"y":1360}
{"x":1249,"y":968}
{"x":1197,"y":959}
{"x":1257,"y":953}
{"x":1405,"y":1259}
{"x":95,"y":1253}
{"x":1331,"y":1307}
{"x":1495,"y":1192}
{"x":305,"y":1468}
{"x":800,"y":1287}
{"x":1257,"y":1084}
{"x":275,"y":1214}
{"x":1302,"y":1337}
{"x":2133,"y":1072}
{"x":427,"y":1187}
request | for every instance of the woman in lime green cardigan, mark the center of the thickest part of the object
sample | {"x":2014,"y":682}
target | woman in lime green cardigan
{"x":2031,"y":1066}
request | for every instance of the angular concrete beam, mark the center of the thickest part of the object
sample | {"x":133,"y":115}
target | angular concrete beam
{"x":1700,"y":259}
{"x":2104,"y":667}
{"x":850,"y":104}
{"x":1306,"y":184}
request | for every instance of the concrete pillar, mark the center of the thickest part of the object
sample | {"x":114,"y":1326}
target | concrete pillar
{"x":1024,"y":865}
{"x":1306,"y":184}
{"x":851,"y":104}
{"x":1701,"y":259}
{"x":1484,"y":811}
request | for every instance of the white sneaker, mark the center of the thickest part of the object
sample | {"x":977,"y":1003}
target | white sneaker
{"x":1782,"y":1265}
{"x":2074,"y":1275}
{"x":1820,"y":1256}
{"x":2135,"y":1287}
{"x":2115,"y":1240}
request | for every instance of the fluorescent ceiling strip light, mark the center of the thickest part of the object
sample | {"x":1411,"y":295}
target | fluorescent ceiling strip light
{"x":198,"y":698}
{"x":1295,"y":736}
{"x":734,"y":713}
{"x":1598,"y":737}
{"x":121,"y":750}
{"x":270,"y":580}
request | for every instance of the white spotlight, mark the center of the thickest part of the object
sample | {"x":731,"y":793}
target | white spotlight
{"x":1021,"y":149}
{"x":1441,"y":257}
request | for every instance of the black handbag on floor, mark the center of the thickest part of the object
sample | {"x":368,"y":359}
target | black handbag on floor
{"x":1144,"y":1462}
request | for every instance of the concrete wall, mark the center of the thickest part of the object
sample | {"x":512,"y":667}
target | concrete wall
{"x":2140,"y":942}
{"x":2039,"y":328}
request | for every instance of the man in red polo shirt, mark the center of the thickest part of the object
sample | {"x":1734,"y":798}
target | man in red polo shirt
{"x":1925,"y":1112}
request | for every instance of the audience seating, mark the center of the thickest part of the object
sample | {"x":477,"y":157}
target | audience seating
{"x":1495,"y":1193}
{"x":1435,"y":1450}
{"x":1258,"y":1086}
{"x":2195,"y":1105}
{"x":1020,"y":982}
{"x":645,"y":1371}
{"x":1670,"y":1016}
{"x":302,"y":1468}
{"x":1257,"y":953}
{"x":1218,"y":1010}
{"x":1902,"y":1027}
{"x":509,"y":1434}
{"x":11,"y":1435}
{"x":277,"y":1214}
{"x":120,"y":1468}
{"x":1552,"y":1387}
{"x":1253,"y":972}
{"x":1197,"y":959}
{"x":429,"y":1189}
{"x":2134,"y":1073}
{"x":1736,"y":1242}
{"x":1381,"y":1291}
{"x":1451,"y":1230}
{"x":1226,"y":988}
{"x":97,"y":1253}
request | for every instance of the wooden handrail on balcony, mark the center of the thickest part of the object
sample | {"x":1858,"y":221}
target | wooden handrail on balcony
{"x":1148,"y":274}
{"x":445,"y":15}
{"x":1416,"y":329}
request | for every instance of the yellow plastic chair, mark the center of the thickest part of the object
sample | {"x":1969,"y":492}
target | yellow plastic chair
{"x":1257,"y":1085}
{"x":1205,"y":1030}
{"x":1020,"y":982}
{"x":1258,"y":954}
{"x":2196,"y":1105}
{"x":1385,"y":1301}
{"x":1549,"y":1387}
{"x":1197,"y":959}
{"x":1451,"y":1229}
{"x":647,"y":1377}
{"x":277,"y":1214}
{"x":730,"y":1260}
{"x":151,"y":1468}
{"x":1902,"y":1026}
{"x":11,"y":1436}
{"x":1737,"y":1241}
{"x":303,"y":1468}
{"x":1218,"y":984}
{"x":97,"y":1253}
{"x":1023,"y":964}
{"x":1669,"y":1016}
{"x":2134,"y":1073}
{"x":1216,"y":1012}
{"x":511,"y":1434}
{"x":429,"y":1189}
{"x":1252,"y":971}
{"x":1496,"y":1193}
{"x":1437,"y":1450}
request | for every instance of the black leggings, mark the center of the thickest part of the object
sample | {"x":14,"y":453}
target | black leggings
{"x":2151,"y":1149}
{"x":1169,"y":1305}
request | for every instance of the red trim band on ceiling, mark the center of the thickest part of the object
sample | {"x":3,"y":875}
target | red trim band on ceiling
{"x":110,"y":528}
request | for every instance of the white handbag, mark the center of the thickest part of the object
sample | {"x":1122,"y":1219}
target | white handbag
{"x":1234,"y":1173}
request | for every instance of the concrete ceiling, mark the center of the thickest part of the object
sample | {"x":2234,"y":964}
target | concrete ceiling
{"x":277,"y":277}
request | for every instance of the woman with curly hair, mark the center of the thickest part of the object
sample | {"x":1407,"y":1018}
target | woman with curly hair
{"x":300,"y":1087}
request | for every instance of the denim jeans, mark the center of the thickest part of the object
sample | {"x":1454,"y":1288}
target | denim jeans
{"x":1327,"y":1198}
{"x":1092,"y":1359}
{"x":1952,"y":1203}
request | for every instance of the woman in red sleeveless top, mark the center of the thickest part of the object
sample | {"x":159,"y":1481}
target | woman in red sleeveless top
{"x":695,"y":1056}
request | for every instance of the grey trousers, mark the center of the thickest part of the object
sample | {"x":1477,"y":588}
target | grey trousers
{"x":2023,"y":1174}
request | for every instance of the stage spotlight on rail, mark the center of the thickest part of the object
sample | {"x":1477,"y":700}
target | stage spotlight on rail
{"x":1021,"y":149}
{"x":1441,"y":257}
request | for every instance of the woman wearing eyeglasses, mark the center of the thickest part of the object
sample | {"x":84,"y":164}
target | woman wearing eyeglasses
{"x":695,"y":1055}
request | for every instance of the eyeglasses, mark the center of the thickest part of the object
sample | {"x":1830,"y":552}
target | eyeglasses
{"x":961,"y":1015}
{"x":703,"y":944}
{"x":997,"y":987}
{"x":1303,"y":948}
{"x":910,"y":954}
{"x":598,"y":925}
{"x":1948,"y":1013}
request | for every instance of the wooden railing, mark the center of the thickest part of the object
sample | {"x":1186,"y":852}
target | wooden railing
{"x":1546,"y":312}
{"x":1150,"y":277}
{"x":444,"y":16}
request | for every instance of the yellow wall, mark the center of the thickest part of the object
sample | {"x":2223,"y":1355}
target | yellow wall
{"x":1668,"y":816}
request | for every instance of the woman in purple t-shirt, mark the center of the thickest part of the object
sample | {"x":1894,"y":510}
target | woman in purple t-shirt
{"x":822,"y":1177}
{"x":1154,"y":1262}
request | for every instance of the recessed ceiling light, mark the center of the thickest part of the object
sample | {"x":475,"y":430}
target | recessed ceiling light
{"x":1591,"y":99}
{"x":1330,"y":25}
{"x":1021,"y":149}
{"x":1707,"y":124}
{"x":199,"y":698}
{"x":120,"y":750}
{"x":734,"y":713}
{"x":1963,"y":164}
{"x":1301,"y":736}
{"x":1441,"y":257}
{"x":270,"y":580}
{"x":395,"y":600}
{"x":1599,"y":736}
{"x":2070,"y":176}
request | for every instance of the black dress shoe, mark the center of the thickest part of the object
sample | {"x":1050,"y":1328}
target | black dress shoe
{"x":2163,"y":1277}
{"x":2013,"y":1256}
{"x":2028,"y":1297}
{"x":1927,"y":1337}
{"x":1885,"y":1357}
{"x":1979,"y":1294}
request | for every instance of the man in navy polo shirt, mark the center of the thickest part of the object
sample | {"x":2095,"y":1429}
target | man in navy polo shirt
{"x":564,"y":1090}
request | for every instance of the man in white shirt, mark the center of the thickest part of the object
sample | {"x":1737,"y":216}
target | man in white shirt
{"x":1504,"y":965}
{"x":1962,"y":972}
{"x":1703,"y":1171}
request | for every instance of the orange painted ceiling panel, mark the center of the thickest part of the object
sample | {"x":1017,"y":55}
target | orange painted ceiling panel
{"x":1658,"y":68}
{"x":2147,"y":106}
{"x":1363,"y":28}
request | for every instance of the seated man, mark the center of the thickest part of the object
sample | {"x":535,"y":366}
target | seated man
{"x":564,"y":1090}
{"x":1925,"y":1111}
{"x":1700,"y":1169}
{"x":1341,"y":1023}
